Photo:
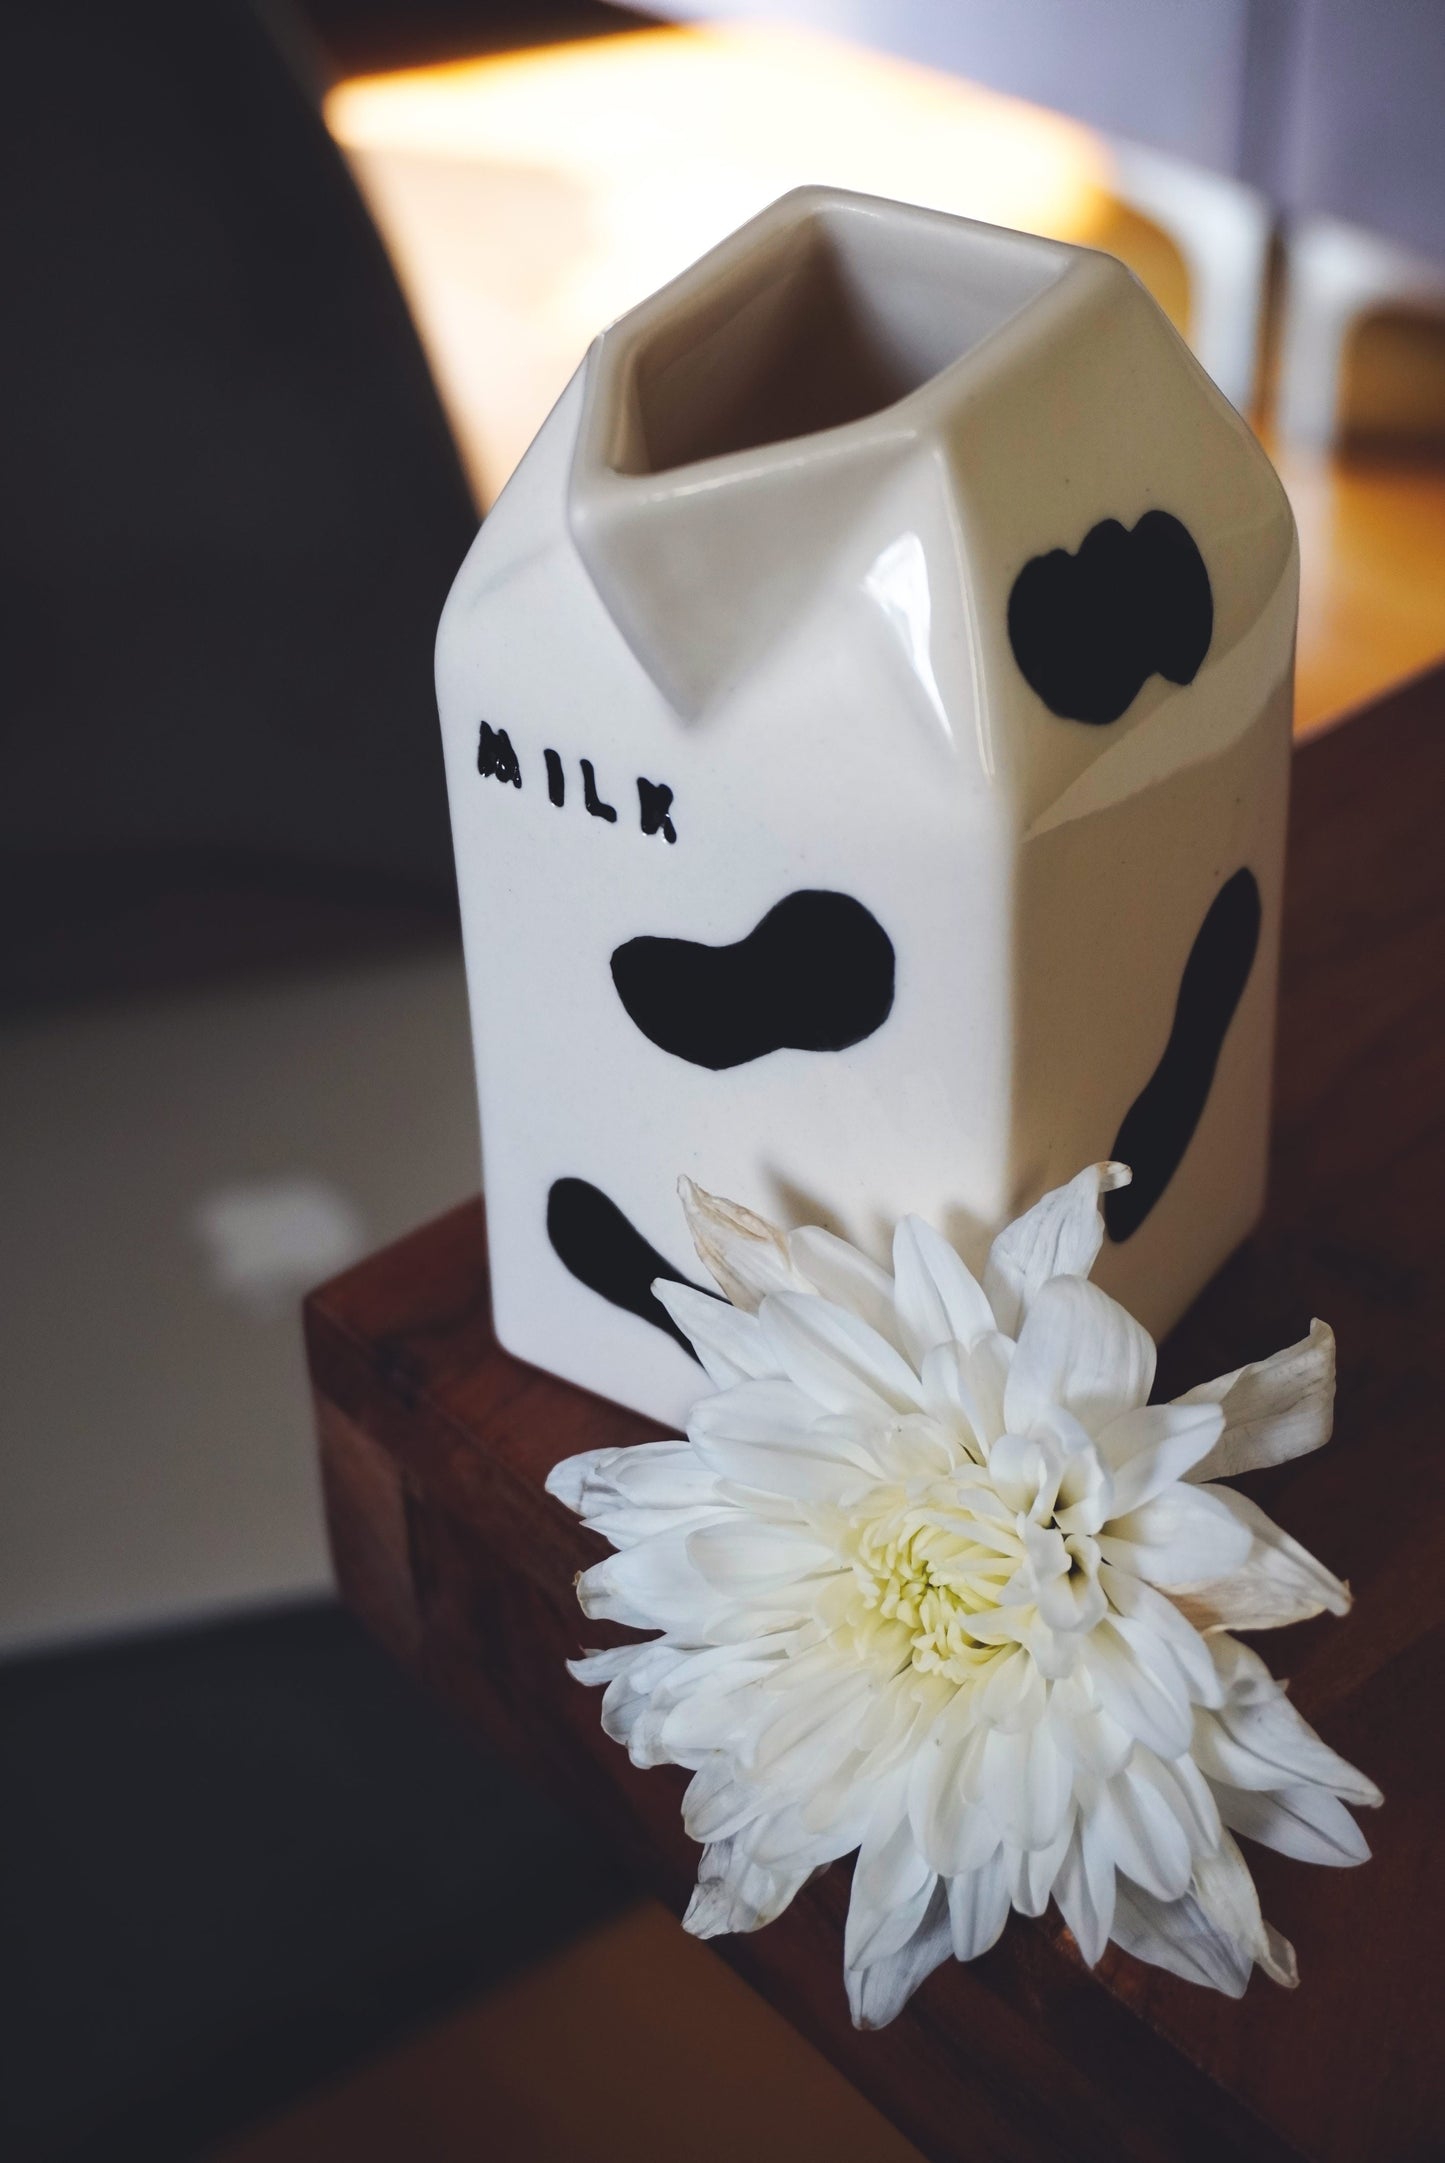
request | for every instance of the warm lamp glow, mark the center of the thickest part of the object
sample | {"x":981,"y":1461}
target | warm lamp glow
{"x":530,"y":199}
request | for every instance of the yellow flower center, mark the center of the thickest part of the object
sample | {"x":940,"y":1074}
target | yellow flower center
{"x":922,"y":1574}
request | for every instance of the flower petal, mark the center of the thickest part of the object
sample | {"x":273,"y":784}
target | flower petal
{"x":1032,"y":1872}
{"x":1154,"y":1445}
{"x":892,"y":1889}
{"x":740,"y":1554}
{"x":653,"y":1585}
{"x":879,"y":1992}
{"x":1185,"y":1538}
{"x":1059,"y":1237}
{"x":1226,"y":1893}
{"x":745,"y":1255}
{"x":729,"y":1344}
{"x":950,"y":1827}
{"x":717,"y":1805}
{"x":734,"y":1893}
{"x":629,"y":1494}
{"x":767,"y":1435}
{"x":1142,"y":1833}
{"x":1162,"y":1638}
{"x":847,"y":1276}
{"x":1279,"y":1408}
{"x":1084,"y":1889}
{"x":835,"y":1357}
{"x":938,"y":1299}
{"x":978,"y":1905}
{"x":1143,"y":1703}
{"x":1267,"y":1733}
{"x":1025,"y":1785}
{"x":969,"y":1382}
{"x":1306,"y":1822}
{"x":1080,"y":1350}
{"x":1276,"y":1581}
{"x":811,"y":1736}
{"x":1179,"y":1936}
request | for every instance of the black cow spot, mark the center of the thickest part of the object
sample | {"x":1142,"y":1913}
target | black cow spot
{"x":604,"y":1250}
{"x":815,"y":975}
{"x":1089,"y":630}
{"x":1160,"y":1123}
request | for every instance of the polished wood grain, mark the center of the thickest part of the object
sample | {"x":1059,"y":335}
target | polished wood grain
{"x":435,"y":1445}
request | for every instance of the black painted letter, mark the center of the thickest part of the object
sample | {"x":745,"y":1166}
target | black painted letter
{"x":655,"y":799}
{"x":590,"y":797}
{"x":556,"y":779}
{"x":496,"y":757}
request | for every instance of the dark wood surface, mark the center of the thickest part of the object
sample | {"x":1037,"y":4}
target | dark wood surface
{"x":435,"y":1445}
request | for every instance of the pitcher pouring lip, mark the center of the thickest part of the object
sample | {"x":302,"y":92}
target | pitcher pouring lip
{"x":734,"y":424}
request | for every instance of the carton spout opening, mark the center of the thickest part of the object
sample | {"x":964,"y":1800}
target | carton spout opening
{"x":827,"y":322}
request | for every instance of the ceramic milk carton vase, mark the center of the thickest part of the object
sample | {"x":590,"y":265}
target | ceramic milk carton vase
{"x":867,"y":721}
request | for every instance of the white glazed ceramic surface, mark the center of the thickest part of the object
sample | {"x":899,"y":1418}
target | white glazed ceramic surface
{"x":772,"y":569}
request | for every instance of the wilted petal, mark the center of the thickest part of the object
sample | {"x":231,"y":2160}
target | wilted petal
{"x":745,"y":1255}
{"x":879,"y":1992}
{"x":1077,"y":1349}
{"x":734,"y":1893}
{"x":1276,"y":1581}
{"x":939,"y":1300}
{"x":1179,"y":1936}
{"x":1226,"y":1893}
{"x":1059,"y":1237}
{"x":1279,"y":1408}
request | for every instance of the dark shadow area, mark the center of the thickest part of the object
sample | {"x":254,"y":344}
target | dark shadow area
{"x":237,"y":1860}
{"x":233,"y":511}
{"x":367,"y":37}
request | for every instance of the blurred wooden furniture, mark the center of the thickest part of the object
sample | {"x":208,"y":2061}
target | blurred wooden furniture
{"x":435,"y":1445}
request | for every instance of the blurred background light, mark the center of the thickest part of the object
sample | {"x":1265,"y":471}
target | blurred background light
{"x":530,"y":198}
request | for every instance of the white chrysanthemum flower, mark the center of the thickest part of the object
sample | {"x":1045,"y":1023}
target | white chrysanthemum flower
{"x":936,"y":1582}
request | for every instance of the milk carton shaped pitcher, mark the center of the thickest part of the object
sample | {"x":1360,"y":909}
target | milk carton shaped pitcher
{"x":867,"y":722}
